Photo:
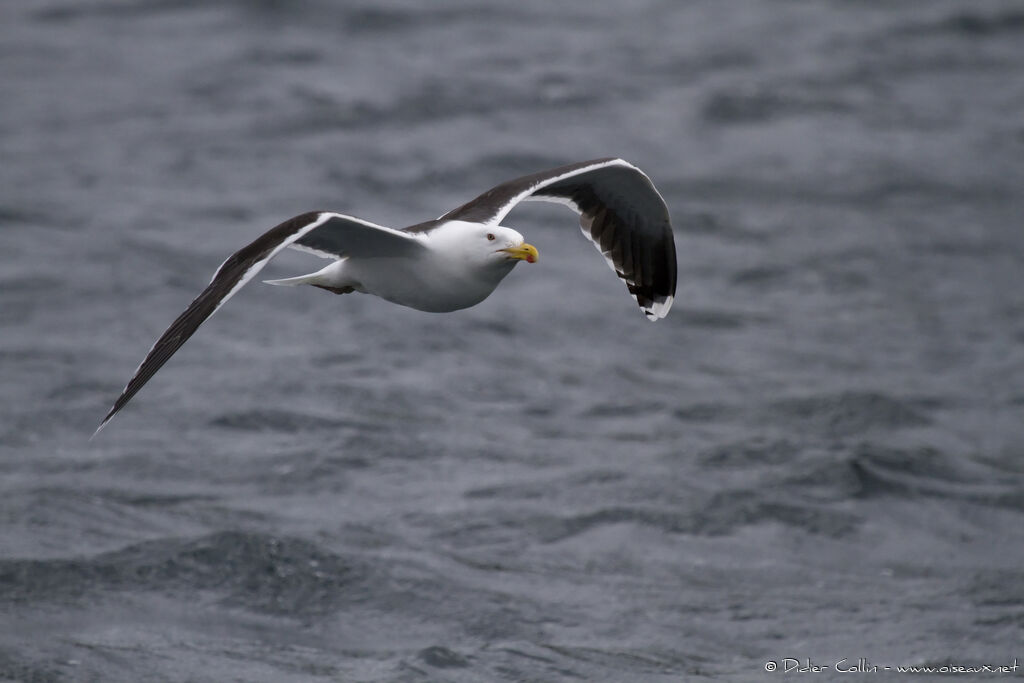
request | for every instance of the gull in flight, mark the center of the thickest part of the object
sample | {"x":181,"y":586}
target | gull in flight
{"x":457,"y":260}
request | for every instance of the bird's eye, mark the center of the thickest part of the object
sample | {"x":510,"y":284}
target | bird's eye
{"x":490,"y":236}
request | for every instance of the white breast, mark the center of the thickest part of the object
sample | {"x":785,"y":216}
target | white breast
{"x":440,"y":279}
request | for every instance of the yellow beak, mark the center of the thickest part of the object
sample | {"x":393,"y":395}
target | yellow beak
{"x":526,"y":252}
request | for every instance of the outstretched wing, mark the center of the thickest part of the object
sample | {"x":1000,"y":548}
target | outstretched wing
{"x":620,"y":212}
{"x":323,"y":233}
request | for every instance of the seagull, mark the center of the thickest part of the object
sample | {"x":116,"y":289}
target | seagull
{"x":457,"y":260}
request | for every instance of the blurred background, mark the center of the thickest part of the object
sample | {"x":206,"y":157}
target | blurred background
{"x":817,"y":455}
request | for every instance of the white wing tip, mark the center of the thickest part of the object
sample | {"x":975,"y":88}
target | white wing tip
{"x":659,"y":309}
{"x":100,"y":428}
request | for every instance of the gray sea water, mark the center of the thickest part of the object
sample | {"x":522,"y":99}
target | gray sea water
{"x":817,"y":457}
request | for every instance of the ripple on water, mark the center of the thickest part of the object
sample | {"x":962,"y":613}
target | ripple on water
{"x":272,"y":574}
{"x":271,"y":420}
{"x":850,"y":412}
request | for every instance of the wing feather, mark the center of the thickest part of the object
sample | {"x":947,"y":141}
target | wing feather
{"x":323,"y":233}
{"x":620,"y":211}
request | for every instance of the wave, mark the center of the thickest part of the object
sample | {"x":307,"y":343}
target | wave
{"x":273,"y":574}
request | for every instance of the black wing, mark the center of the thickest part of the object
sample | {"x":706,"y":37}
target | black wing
{"x":620,"y":212}
{"x":322,"y":233}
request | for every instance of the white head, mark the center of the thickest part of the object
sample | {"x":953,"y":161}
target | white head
{"x":484,"y":244}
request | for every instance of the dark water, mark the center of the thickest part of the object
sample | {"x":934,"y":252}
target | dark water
{"x":817,"y":455}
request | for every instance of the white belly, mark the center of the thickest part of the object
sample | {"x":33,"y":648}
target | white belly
{"x":428,"y":284}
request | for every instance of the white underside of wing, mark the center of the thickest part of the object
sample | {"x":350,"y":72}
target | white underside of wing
{"x":657,"y":310}
{"x":526,"y":194}
{"x":315,"y":252}
{"x":248,"y":275}
{"x":250,"y":272}
{"x":328,"y":216}
{"x":368,"y":224}
{"x":565,"y":201}
{"x":256,"y":267}
{"x":572,"y":205}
